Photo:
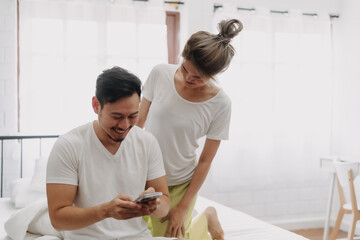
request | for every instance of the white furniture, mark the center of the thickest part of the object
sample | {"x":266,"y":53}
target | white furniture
{"x":326,"y":163}
{"x":346,"y":172}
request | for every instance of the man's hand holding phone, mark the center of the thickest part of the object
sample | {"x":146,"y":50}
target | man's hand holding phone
{"x":149,"y":199}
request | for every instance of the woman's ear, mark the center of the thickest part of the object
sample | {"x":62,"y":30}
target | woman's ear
{"x":95,"y":104}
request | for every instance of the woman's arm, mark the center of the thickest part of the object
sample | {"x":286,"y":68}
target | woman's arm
{"x":177,"y":215}
{"x":143,"y":112}
{"x":201,"y":171}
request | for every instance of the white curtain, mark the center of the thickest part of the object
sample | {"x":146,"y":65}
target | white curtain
{"x":280,"y":84}
{"x":64,"y":46}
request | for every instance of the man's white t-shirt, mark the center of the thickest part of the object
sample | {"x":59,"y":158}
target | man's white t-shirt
{"x":79,"y":158}
{"x":177,"y":123}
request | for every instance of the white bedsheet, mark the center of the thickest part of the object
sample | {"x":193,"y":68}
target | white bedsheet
{"x":240,"y":226}
{"x":237,"y":225}
{"x":6,"y":209}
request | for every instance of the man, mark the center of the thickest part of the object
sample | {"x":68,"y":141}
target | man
{"x":96,"y":171}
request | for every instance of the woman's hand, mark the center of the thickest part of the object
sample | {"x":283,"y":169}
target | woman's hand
{"x":176,"y":217}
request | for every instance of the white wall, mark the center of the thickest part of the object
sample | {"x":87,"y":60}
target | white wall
{"x":346,"y":139}
{"x":199,"y":12}
{"x":304,"y":5}
{"x":8,"y":81}
{"x":8,"y":97}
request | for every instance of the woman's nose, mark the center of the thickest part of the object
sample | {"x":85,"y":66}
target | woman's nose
{"x":189,"y":78}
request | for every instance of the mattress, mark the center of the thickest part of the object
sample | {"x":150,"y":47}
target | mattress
{"x":236,"y":224}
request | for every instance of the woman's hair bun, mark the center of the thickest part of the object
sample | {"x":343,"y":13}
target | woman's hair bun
{"x":229,"y":28}
{"x":212,"y":53}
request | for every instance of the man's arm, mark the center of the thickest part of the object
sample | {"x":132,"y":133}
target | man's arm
{"x":65,"y":216}
{"x":163,"y":203}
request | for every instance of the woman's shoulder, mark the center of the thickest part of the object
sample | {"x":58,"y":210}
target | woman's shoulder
{"x":222,"y":98}
{"x":164,"y":69}
{"x":162,"y":73}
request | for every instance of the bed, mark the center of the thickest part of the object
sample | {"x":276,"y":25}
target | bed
{"x":28,"y":194}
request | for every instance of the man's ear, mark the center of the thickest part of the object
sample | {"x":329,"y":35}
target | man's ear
{"x":95,"y":104}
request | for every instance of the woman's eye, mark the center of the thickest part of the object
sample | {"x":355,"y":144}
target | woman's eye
{"x":183,"y":68}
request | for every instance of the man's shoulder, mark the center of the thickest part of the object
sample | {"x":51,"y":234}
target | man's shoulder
{"x":141,"y":141}
{"x":142,"y":138}
{"x":141,"y":134}
{"x":77,"y":134}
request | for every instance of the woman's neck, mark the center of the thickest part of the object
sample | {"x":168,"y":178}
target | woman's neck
{"x":199,"y":94}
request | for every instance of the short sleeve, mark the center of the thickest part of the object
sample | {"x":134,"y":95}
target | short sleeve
{"x":155,"y":161}
{"x":62,"y":164}
{"x":148,"y":88}
{"x":219,"y":127}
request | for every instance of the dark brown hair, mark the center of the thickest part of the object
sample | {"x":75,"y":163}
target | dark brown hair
{"x":212,"y":53}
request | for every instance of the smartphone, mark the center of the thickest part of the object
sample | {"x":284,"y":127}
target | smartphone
{"x":148,"y":197}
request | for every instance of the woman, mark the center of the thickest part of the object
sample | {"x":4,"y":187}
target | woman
{"x":182,"y":104}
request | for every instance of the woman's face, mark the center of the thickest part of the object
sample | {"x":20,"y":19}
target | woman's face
{"x":191,"y":76}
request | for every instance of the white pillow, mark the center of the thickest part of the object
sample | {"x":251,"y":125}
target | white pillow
{"x":22,"y":194}
{"x":25,"y":191}
{"x":17,"y":186}
{"x":38,"y":181}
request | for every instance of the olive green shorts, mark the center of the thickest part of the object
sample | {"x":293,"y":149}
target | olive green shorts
{"x":196,"y":228}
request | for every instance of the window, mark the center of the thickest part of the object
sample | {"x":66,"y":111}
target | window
{"x":64,"y":46}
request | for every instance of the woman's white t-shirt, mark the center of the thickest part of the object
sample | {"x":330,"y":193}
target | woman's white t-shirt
{"x":79,"y":158}
{"x":178,"y":123}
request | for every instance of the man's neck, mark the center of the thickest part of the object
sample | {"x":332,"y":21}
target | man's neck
{"x":108,"y":143}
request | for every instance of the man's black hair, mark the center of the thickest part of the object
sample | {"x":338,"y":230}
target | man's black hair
{"x":116,"y":83}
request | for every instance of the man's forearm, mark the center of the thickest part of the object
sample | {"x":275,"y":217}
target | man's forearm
{"x":72,"y":218}
{"x":163,"y":208}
